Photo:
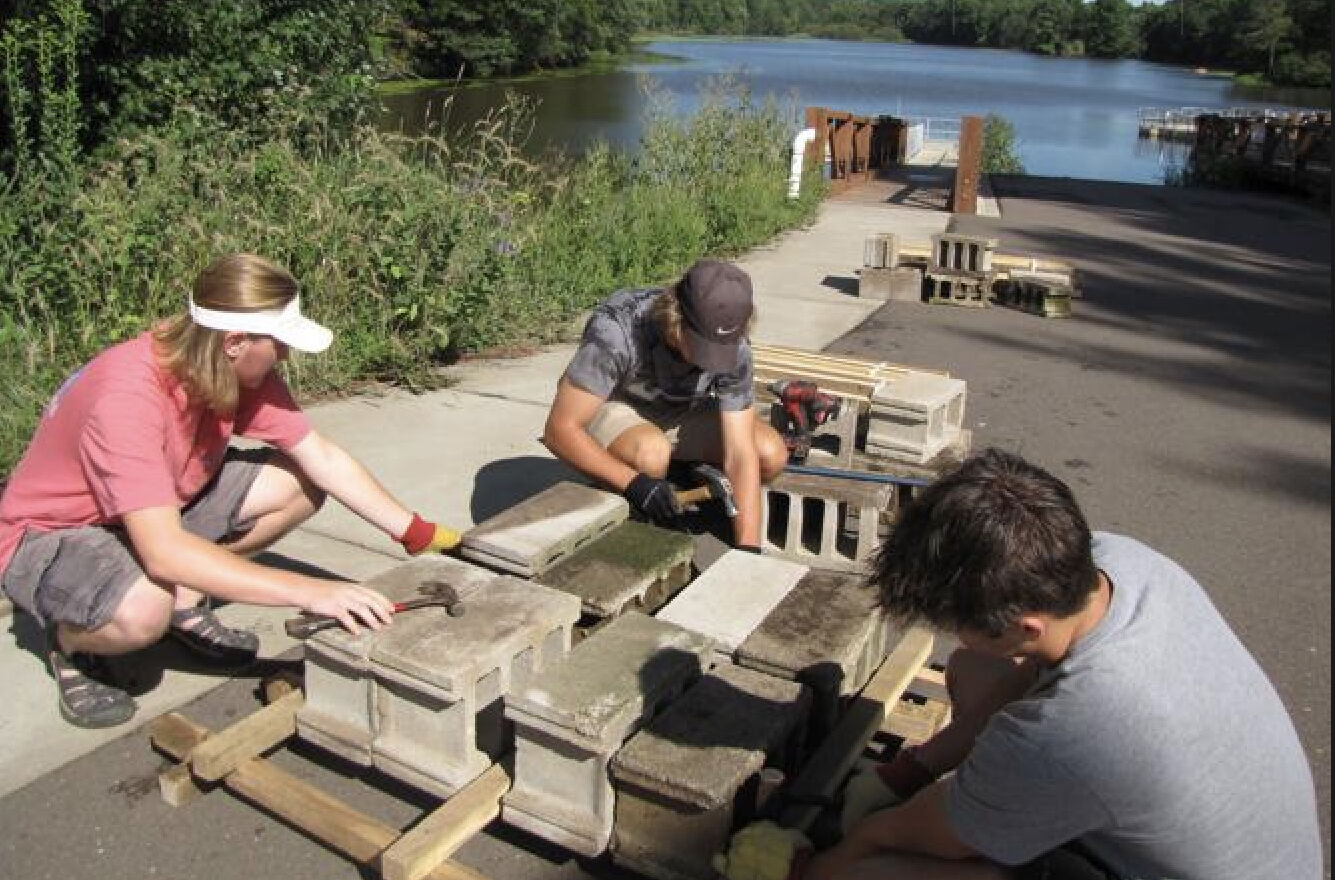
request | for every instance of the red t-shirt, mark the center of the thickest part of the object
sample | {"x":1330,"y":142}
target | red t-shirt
{"x":120,"y":435}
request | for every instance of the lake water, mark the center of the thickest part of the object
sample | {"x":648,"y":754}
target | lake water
{"x":1073,"y":117}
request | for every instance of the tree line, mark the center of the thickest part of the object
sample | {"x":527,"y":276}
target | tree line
{"x":1285,"y":41}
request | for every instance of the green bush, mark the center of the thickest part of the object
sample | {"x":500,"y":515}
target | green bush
{"x":999,"y":147}
{"x":412,"y":249}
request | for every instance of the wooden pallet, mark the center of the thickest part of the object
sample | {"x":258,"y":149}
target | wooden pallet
{"x":233,"y":758}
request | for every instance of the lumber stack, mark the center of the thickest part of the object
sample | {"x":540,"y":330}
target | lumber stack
{"x":912,"y":414}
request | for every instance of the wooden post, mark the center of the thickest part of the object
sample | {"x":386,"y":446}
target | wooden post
{"x":969,"y":169}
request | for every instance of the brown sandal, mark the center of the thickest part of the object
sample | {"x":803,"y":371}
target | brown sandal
{"x":200,"y":630}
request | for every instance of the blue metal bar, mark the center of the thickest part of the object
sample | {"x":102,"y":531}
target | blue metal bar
{"x":861,"y":476}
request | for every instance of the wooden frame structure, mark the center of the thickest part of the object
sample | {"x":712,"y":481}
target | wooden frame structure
{"x":233,"y":758}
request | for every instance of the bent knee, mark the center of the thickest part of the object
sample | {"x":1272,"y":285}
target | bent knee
{"x":143,"y":617}
{"x":644,"y":448}
{"x":772,"y":451}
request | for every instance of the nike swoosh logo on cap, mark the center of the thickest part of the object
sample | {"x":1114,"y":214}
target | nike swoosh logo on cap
{"x":724,"y":331}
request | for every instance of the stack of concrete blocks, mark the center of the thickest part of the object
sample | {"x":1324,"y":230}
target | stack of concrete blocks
{"x":686,"y":780}
{"x":824,"y":522}
{"x":882,"y":277}
{"x":420,"y":700}
{"x":634,"y":566}
{"x":915,"y":416}
{"x":1036,"y":293}
{"x":532,"y":536}
{"x":571,"y":719}
{"x":831,"y":634}
{"x":731,"y":597}
{"x":961,"y":270}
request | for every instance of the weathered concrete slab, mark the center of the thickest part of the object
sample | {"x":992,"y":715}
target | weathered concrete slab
{"x":533,"y":535}
{"x":339,"y":713}
{"x":682,"y":782}
{"x":573,"y":717}
{"x":634,"y":565}
{"x":829,"y":633}
{"x":440,"y":679}
{"x":733,"y":596}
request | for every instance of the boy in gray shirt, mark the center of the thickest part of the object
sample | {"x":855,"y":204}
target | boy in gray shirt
{"x":662,"y":374}
{"x":1106,"y":721}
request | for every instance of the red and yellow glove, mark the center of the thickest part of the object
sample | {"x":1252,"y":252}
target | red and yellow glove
{"x":883,"y":786}
{"x":422,"y":537}
{"x":765,"y":851}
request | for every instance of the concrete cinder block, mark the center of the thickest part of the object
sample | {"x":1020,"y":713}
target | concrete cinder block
{"x":880,"y":251}
{"x":915,"y":416}
{"x":685,"y":780}
{"x":571,"y":718}
{"x":339,"y":712}
{"x":535,"y":534}
{"x":1037,"y":294}
{"x":824,"y":522}
{"x":898,"y":284}
{"x":730,"y":598}
{"x":958,"y":252}
{"x":633,"y":566}
{"x":440,"y":680}
{"x":830,"y":633}
{"x":956,"y":289}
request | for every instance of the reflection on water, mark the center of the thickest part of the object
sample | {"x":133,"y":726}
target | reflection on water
{"x":1073,"y":117}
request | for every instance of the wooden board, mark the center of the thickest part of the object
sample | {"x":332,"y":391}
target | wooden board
{"x":824,"y":772}
{"x":309,"y":809}
{"x":434,"y":839}
{"x":253,"y":735}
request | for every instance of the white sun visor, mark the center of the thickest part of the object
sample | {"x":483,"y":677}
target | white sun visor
{"x":288,"y":325}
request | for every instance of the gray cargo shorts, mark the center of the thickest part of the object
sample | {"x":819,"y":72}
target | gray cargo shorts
{"x":80,"y":576}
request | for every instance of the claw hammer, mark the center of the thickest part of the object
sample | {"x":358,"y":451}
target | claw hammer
{"x":434,"y":593}
{"x":715,"y":486}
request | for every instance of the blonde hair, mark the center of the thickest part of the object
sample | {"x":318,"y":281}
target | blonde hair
{"x":194,"y":354}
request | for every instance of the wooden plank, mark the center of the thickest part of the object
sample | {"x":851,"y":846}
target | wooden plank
{"x":436,"y":838}
{"x":177,"y":785}
{"x":325,"y":817}
{"x":825,"y":771}
{"x":175,"y":735}
{"x":253,"y":735}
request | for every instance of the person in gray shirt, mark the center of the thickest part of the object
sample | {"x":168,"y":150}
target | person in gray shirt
{"x":1106,"y":722}
{"x":664,"y":373}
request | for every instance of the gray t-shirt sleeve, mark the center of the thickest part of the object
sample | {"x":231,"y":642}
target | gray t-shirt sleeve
{"x":736,"y":392}
{"x":1011,"y":801}
{"x":603,"y":358}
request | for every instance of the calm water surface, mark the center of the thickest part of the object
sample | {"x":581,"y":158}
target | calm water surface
{"x":1072,"y":117}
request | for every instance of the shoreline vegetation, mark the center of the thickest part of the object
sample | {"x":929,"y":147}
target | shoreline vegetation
{"x":416,"y":250}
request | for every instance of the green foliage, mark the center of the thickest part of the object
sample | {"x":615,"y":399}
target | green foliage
{"x":999,"y":147}
{"x":413,"y":249}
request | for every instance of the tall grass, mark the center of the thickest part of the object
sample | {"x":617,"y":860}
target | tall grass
{"x":413,"y":249}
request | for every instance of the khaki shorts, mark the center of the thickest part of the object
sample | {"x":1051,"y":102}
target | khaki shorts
{"x":695,"y":434}
{"x":80,"y":576}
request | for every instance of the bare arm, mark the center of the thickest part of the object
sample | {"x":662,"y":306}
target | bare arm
{"x":343,"y":478}
{"x":567,"y":436}
{"x":170,"y":556}
{"x":917,"y":826}
{"x":741,"y":465}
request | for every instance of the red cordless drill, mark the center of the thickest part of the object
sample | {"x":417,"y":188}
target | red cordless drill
{"x":803,"y":407}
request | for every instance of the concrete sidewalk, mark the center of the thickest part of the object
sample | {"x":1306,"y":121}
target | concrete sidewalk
{"x":459,"y":455}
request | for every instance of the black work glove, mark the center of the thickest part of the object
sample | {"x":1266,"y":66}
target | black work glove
{"x":654,"y":498}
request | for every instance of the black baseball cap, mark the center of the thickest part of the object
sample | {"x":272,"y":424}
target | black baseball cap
{"x":716,"y":305}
